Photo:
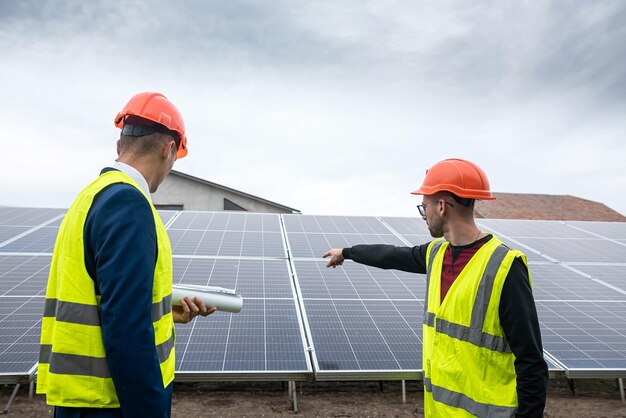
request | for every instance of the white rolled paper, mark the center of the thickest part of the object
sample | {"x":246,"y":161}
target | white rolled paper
{"x":223,"y":299}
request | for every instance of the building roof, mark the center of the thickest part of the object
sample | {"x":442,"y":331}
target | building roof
{"x":545,"y":207}
{"x":228,"y":189}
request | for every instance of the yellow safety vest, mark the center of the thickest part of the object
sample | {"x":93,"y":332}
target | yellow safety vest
{"x":72,"y":369}
{"x":468,"y":363}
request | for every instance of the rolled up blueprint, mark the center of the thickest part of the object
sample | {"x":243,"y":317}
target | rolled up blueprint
{"x":223,"y":299}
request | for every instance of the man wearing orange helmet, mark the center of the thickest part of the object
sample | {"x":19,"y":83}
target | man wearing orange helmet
{"x":482,"y":351}
{"x":107,"y":337}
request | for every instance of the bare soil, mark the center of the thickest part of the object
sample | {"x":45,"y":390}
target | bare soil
{"x":592,"y":399}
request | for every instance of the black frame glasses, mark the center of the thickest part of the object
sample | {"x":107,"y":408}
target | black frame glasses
{"x":422,"y":208}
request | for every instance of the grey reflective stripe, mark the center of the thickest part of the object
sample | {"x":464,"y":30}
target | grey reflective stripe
{"x":474,"y":336}
{"x":79,"y":365}
{"x":459,"y":400}
{"x":485,"y":288}
{"x":45,"y":350}
{"x":75,"y":313}
{"x":429,"y":319}
{"x":165,"y":349}
{"x":434,"y":249}
{"x":161,"y":308}
{"x":50,"y":308}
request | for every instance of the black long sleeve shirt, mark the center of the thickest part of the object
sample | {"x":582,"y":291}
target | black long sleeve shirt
{"x":518,"y":316}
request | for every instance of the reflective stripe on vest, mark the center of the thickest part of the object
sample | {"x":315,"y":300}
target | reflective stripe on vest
{"x":459,"y":400}
{"x":79,"y":313}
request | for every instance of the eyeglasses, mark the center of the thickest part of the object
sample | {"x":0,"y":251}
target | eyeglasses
{"x":422,"y":208}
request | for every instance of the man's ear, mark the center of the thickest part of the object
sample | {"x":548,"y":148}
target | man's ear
{"x":119,"y":147}
{"x":168,"y":149}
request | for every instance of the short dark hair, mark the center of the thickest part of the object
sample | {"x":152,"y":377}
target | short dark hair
{"x":463,"y":201}
{"x":143,"y":144}
{"x":143,"y":135}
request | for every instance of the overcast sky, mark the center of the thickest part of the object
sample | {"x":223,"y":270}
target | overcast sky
{"x":330,"y":107}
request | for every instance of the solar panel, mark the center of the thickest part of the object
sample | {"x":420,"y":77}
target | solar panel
{"x":250,"y":278}
{"x":24,"y":275}
{"x":264,"y":341}
{"x":20,"y":323}
{"x":532,"y":229}
{"x":554,"y":240}
{"x":578,"y":250}
{"x":12,"y":216}
{"x":612,"y":230}
{"x":364,"y":322}
{"x":40,"y":240}
{"x":8,"y":232}
{"x":413,"y":230}
{"x":588,"y":338}
{"x":361,"y":322}
{"x":227,"y":234}
{"x":615,"y":275}
{"x":556,"y":282}
{"x":312,"y":236}
{"x":166,"y":215}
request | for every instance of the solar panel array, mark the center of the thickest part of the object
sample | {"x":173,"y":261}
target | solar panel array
{"x":301,"y":319}
{"x":579,"y":282}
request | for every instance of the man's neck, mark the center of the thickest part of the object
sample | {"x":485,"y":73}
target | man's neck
{"x":462,"y":233}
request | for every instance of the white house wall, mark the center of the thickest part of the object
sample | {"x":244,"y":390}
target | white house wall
{"x":193,"y":195}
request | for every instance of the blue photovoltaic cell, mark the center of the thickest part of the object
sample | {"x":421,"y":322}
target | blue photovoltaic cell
{"x":30,"y":217}
{"x":364,"y":335}
{"x":578,"y":250}
{"x":20,"y":323}
{"x":8,"y":232}
{"x":585,"y":335}
{"x":362,"y":318}
{"x":264,"y":337}
{"x":312,"y":236}
{"x":614,"y":275}
{"x":227,"y":221}
{"x":532,"y":229}
{"x":227,"y":234}
{"x":334,"y":224}
{"x":555,"y":282}
{"x":166,"y":215}
{"x":314,"y":245}
{"x":357,"y":281}
{"x":249,"y":278}
{"x":24,"y":275}
{"x":407,"y":226}
{"x":613,"y":230}
{"x":38,"y":241}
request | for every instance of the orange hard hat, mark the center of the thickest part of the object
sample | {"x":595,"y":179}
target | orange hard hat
{"x":157,"y":108}
{"x":461,"y":177}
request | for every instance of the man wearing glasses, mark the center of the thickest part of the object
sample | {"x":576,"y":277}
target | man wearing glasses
{"x":482,"y":353}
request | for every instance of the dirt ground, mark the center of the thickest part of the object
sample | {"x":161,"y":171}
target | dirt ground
{"x":593,"y":399}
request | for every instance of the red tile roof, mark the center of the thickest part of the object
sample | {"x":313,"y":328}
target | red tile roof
{"x":546,"y":207}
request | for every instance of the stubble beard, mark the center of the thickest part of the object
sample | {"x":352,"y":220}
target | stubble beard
{"x":435,"y":227}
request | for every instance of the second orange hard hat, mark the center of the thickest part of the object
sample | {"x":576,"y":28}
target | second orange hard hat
{"x":454,"y":175}
{"x":157,"y":108}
